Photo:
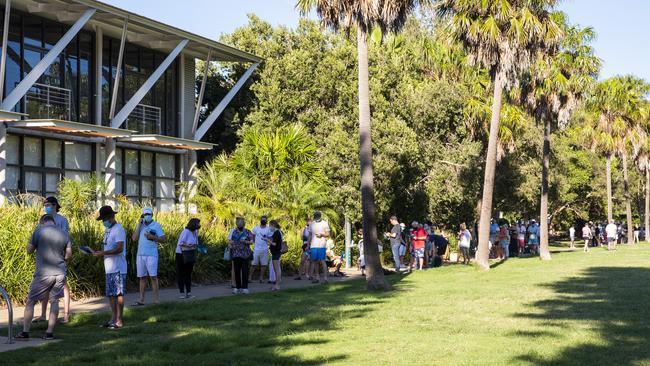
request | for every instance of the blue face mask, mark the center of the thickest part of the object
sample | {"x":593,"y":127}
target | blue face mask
{"x":148,"y":219}
{"x":107,"y":224}
{"x":49,"y":210}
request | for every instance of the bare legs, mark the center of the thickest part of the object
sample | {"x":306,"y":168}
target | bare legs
{"x":29,"y":315}
{"x":117,"y":309}
{"x":278,"y":273}
{"x":66,"y":305}
{"x":154,"y":288}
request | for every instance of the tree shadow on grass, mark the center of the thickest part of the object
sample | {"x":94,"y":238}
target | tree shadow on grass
{"x":612,"y":302}
{"x":259,"y":329}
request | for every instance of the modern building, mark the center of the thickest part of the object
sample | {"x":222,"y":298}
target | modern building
{"x":90,"y":89}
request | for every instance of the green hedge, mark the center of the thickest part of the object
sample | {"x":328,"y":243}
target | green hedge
{"x":86,"y":273}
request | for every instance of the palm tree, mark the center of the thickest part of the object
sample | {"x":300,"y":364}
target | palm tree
{"x":642,"y":157}
{"x":388,"y":15}
{"x":552,"y":89}
{"x":616,"y":103}
{"x":504,"y":37}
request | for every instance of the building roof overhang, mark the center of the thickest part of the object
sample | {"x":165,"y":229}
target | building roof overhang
{"x":167,"y":142}
{"x":69,"y":128}
{"x":143,"y":31}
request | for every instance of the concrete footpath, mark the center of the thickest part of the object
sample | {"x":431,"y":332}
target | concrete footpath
{"x":99,"y":304}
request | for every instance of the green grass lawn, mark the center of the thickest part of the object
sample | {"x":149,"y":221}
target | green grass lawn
{"x":582,"y":309}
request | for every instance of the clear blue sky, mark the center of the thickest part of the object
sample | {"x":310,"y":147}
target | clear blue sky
{"x":623,"y":26}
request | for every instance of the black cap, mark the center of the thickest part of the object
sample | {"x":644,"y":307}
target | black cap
{"x":105,"y":212}
{"x":317,"y":215}
{"x":53,"y":200}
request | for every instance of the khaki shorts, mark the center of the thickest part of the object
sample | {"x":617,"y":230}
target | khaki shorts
{"x":261,"y":258}
{"x":46,"y":287}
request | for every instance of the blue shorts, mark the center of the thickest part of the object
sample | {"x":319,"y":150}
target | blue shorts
{"x":418,"y":253}
{"x":317,"y":254}
{"x":276,"y":257}
{"x":115,"y":284}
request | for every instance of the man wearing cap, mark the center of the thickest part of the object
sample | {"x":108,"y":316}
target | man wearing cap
{"x":114,"y":253}
{"x":52,"y":251}
{"x":319,"y":231}
{"x":148,"y":233}
{"x":51,"y":207}
{"x":261,"y":234}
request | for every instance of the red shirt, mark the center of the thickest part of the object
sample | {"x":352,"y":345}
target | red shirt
{"x":419,"y":237}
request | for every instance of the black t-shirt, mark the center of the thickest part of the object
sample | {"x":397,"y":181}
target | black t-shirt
{"x":276,"y":238}
{"x":441,"y":244}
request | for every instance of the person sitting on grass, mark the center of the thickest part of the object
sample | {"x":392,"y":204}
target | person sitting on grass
{"x":52,"y":251}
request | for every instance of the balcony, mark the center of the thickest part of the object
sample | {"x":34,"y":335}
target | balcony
{"x":145,"y":119}
{"x":47,"y":101}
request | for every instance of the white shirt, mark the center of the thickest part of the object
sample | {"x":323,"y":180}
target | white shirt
{"x":521,"y":232}
{"x":319,"y":228}
{"x":115,"y":262}
{"x":465,"y":238}
{"x":572,"y":232}
{"x":610,"y":229}
{"x":261,"y":234}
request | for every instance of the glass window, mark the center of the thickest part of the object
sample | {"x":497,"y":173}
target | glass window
{"x":146,"y":163}
{"x":12,"y":77}
{"x":33,"y":181}
{"x":78,"y":156}
{"x":13,"y":174}
{"x":118,"y":184}
{"x":132,"y":187}
{"x":118,"y":160}
{"x":13,"y":146}
{"x":147,"y":188}
{"x":52,"y":182}
{"x":165,"y":166}
{"x":53,"y":154}
{"x":33,"y":31}
{"x":165,"y":204}
{"x":53,"y":33}
{"x":131,"y":157}
{"x":32,"y":151}
{"x":165,"y":188}
{"x":77,"y":176}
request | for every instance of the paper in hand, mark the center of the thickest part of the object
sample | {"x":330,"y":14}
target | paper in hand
{"x":86,"y":249}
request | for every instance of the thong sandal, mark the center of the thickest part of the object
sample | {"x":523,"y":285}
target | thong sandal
{"x":106,"y":325}
{"x":138,"y":303}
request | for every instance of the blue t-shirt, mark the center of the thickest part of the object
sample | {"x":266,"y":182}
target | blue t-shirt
{"x":149,"y":247}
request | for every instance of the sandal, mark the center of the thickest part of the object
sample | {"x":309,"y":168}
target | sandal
{"x":106,"y":325}
{"x":138,"y":303}
{"x":38,"y":320}
{"x":22,"y":336}
{"x":114,"y":327}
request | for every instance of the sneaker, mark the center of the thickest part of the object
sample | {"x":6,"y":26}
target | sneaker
{"x":298,"y":278}
{"x":22,"y":336}
{"x":182,"y":296}
{"x":189,"y":296}
{"x":48,"y":336}
{"x":235,"y":291}
{"x":245,"y":291}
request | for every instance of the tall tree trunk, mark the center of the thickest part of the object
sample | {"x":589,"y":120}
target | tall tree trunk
{"x":608,"y":169}
{"x":544,"y":252}
{"x":375,"y":273}
{"x":646,"y":216}
{"x":628,"y":201}
{"x":483,"y":252}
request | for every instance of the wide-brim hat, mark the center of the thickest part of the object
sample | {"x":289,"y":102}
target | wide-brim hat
{"x":105,"y":212}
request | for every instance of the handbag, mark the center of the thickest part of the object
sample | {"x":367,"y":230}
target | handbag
{"x":283,"y":246}
{"x":189,"y":256}
{"x":226,"y":254}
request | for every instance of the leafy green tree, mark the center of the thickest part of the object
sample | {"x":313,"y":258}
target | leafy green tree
{"x":504,"y":37}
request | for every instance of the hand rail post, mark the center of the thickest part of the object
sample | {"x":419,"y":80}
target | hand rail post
{"x":10,"y":337}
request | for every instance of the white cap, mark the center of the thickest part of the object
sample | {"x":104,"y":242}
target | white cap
{"x":147,"y":210}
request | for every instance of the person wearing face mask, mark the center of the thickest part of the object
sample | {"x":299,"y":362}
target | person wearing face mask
{"x":187,"y":241}
{"x":51,"y":207}
{"x":239,"y":242}
{"x":115,"y":266}
{"x":261,"y":234}
{"x":148,"y":233}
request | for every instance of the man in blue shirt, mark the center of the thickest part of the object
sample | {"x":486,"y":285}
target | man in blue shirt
{"x":148,"y":233}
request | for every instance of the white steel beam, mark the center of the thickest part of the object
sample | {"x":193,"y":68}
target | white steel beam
{"x":205,"y":126}
{"x":12,"y":99}
{"x":118,"y":72}
{"x":5,"y":43}
{"x":199,"y":102}
{"x":117,"y":121}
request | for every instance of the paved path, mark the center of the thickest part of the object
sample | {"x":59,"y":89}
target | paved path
{"x":98,"y":304}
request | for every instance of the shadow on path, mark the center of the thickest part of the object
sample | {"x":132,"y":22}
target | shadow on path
{"x":612,"y":303}
{"x":259,"y":329}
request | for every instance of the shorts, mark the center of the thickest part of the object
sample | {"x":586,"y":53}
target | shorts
{"x":402,"y":250}
{"x":362,"y":261}
{"x":115,"y":284}
{"x":276,"y":256}
{"x":611,"y":240}
{"x":261,"y":258}
{"x":428,"y":246}
{"x":46,"y":287}
{"x":317,"y":254}
{"x":505,"y":243}
{"x":521,"y":242}
{"x":146,"y":265}
{"x":418,"y":253}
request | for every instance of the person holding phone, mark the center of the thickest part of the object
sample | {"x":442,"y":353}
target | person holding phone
{"x":148,"y":233}
{"x":239,"y":242}
{"x":187,"y":241}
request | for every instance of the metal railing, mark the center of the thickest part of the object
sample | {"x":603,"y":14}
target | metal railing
{"x":145,"y":119}
{"x":10,"y":309}
{"x":47,"y":101}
